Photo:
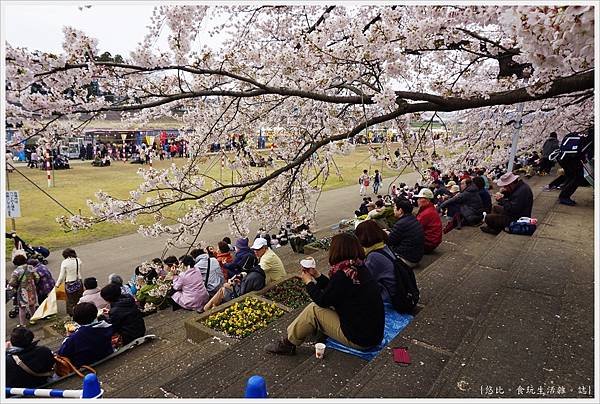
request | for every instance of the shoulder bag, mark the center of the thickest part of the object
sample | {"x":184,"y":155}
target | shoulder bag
{"x":76,"y":285}
{"x":64,"y":367}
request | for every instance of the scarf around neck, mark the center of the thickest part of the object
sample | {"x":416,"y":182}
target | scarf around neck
{"x":376,"y":246}
{"x":349,"y":269}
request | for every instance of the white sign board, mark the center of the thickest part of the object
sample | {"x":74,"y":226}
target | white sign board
{"x":13,"y":204}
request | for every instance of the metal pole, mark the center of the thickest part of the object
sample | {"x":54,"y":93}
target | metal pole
{"x":515,"y":138}
{"x":12,"y":219}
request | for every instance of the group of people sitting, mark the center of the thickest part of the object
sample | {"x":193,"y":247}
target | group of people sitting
{"x":464,"y":199}
{"x":103,"y":320}
{"x":107,"y":318}
{"x":205,"y":278}
{"x":348,"y":303}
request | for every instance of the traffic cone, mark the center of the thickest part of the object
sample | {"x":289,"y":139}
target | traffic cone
{"x":91,"y":386}
{"x":256,"y":387}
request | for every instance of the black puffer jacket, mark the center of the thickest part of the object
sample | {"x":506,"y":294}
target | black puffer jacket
{"x":126,"y":319}
{"x":549,"y":146}
{"x":407,"y":238}
{"x":519,"y":203}
{"x":37,"y":358}
{"x":471,"y":206}
{"x":359,"y":307}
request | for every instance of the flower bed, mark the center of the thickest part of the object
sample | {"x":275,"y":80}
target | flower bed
{"x":315,"y":246}
{"x":290,"y":293}
{"x":243,"y":318}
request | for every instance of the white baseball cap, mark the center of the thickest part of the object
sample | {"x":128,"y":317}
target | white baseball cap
{"x":308,"y":262}
{"x":259,"y":243}
{"x":425,"y":193}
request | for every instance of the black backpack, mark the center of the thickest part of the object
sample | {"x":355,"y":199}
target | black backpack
{"x":407,"y":292}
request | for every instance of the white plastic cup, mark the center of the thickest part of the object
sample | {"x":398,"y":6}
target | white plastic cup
{"x":319,"y":350}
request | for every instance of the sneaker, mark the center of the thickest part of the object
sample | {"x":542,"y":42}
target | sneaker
{"x":489,"y":230}
{"x":548,"y":188}
{"x":281,"y":347}
{"x":567,"y":201}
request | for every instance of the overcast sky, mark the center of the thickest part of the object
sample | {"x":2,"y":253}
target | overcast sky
{"x":117,"y":27}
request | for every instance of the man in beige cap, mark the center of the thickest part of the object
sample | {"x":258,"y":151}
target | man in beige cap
{"x":514,"y":202}
{"x":268,"y":261}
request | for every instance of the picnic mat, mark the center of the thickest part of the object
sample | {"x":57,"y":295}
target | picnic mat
{"x":394,"y":323}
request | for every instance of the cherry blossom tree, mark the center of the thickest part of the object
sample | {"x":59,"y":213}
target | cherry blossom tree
{"x":324,"y":74}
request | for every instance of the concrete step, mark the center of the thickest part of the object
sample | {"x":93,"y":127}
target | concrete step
{"x":318,"y":378}
{"x":459,"y":291}
{"x":229,"y":370}
{"x":520,"y":330}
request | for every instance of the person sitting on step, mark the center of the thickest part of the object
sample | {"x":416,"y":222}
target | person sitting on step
{"x":91,"y":294}
{"x":469,"y":203}
{"x":430,"y":220}
{"x":269,"y":261}
{"x":515,"y":202}
{"x":374,"y":241}
{"x":124,"y":315}
{"x":189,"y":286}
{"x":406,"y":238}
{"x":28,"y":365}
{"x":347,"y":304}
{"x":91,"y":341}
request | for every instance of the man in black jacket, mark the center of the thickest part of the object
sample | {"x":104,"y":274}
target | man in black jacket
{"x":124,"y":314}
{"x":27,"y":365}
{"x":469,"y":203}
{"x":515,"y":202}
{"x":406,"y":239}
{"x":571,"y":160}
{"x":549,"y":146}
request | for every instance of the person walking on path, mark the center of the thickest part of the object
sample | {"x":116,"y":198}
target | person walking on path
{"x":70,"y":274}
{"x":548,"y":147}
{"x":364,"y":180}
{"x":23,"y":280}
{"x":572,"y":162}
{"x":377,"y":180}
{"x":46,"y":282}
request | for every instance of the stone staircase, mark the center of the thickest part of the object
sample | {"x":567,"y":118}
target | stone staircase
{"x":499,"y":311}
{"x":140,"y":371}
{"x":490,"y":318}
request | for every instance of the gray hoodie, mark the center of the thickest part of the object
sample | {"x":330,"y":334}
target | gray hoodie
{"x":215,"y":278}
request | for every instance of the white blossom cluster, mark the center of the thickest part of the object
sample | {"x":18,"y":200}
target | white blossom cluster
{"x":319,"y":75}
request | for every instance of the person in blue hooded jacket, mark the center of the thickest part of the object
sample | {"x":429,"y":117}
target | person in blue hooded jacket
{"x":244,"y":259}
{"x":91,"y":341}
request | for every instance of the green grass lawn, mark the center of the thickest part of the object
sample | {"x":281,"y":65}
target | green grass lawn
{"x":73,"y":187}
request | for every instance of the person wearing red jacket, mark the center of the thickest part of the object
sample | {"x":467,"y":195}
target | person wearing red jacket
{"x":429,"y":219}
